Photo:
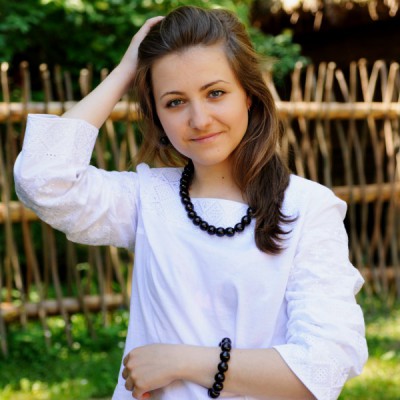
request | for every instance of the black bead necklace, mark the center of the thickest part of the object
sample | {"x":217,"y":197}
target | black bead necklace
{"x":185,"y":181}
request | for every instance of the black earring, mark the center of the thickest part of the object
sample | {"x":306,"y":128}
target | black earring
{"x":164,"y":141}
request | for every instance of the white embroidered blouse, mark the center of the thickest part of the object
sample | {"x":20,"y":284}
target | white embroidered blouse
{"x":189,"y":287}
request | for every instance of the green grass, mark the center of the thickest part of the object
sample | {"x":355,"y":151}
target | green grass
{"x":380,"y":378}
{"x":89,"y":369}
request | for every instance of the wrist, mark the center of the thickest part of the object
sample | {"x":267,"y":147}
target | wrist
{"x":197,"y":364}
{"x":127,"y":67}
{"x":122,"y":76}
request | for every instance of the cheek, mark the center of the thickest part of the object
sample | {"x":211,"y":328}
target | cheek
{"x":172,"y":123}
{"x":166,"y":123}
{"x":173,"y":128}
{"x":240,"y":116}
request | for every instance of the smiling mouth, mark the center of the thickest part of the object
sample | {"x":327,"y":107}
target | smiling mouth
{"x":206,"y":138}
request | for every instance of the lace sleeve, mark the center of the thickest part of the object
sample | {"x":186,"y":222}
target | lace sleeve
{"x":53,"y":178}
{"x":325,"y":336}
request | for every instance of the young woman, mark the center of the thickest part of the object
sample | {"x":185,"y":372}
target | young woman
{"x":232,"y":246}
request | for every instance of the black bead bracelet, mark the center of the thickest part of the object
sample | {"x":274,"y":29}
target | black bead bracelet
{"x":219,"y":378}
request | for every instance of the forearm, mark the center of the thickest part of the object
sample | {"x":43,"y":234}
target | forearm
{"x":98,"y":104}
{"x":261,"y":373}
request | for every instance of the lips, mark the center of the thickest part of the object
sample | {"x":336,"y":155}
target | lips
{"x":206,"y":138}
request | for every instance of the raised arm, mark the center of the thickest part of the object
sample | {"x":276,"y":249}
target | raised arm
{"x":53,"y":176}
{"x":98,"y":104}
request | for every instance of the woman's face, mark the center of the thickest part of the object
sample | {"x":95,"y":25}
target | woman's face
{"x":200,"y":103}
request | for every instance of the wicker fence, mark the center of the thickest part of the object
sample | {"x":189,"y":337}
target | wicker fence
{"x":341,"y":129}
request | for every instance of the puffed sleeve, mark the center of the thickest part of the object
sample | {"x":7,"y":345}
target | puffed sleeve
{"x":53,"y":178}
{"x":326,"y":333}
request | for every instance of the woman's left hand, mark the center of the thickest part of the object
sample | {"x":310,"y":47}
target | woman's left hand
{"x":150,"y":367}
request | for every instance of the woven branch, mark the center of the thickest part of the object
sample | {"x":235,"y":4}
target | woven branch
{"x":341,"y":128}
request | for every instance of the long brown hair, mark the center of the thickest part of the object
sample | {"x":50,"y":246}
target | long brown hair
{"x":258,"y":169}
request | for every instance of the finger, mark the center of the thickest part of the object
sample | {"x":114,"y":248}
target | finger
{"x":134,"y":394}
{"x":125,"y":373}
{"x":125,"y":361}
{"x":129,"y":385}
{"x":138,"y":394}
{"x":153,"y":20}
{"x":144,"y":30}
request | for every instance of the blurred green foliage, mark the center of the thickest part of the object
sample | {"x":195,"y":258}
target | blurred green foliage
{"x":75,"y":33}
{"x":87,"y":369}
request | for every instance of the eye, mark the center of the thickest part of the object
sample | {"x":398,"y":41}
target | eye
{"x":216,"y":93}
{"x":174,"y":103}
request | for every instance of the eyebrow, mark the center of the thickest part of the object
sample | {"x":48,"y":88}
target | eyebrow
{"x":204,"y":87}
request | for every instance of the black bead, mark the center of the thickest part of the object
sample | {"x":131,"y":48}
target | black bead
{"x":211,"y":230}
{"x":220,"y":231}
{"x":239,"y":227}
{"x":204,"y":225}
{"x":250,"y":211}
{"x":223,"y":366}
{"x":197,"y":220}
{"x":246,"y":220}
{"x":191,"y":214}
{"x":225,"y":356}
{"x":213,"y":394}
{"x":226,"y":346}
{"x":189,"y":206}
{"x":185,"y":200}
{"x":218,"y":386}
{"x":229,"y":232}
{"x":183,"y":192}
{"x":184,"y":181}
{"x":225,"y":340}
{"x":219,"y":377}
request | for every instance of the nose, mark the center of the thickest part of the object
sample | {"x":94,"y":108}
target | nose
{"x":200,"y":116}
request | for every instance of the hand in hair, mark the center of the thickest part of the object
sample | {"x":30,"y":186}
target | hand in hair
{"x":129,"y":60}
{"x":98,"y":104}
